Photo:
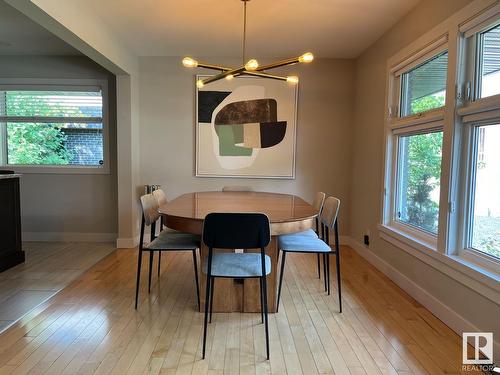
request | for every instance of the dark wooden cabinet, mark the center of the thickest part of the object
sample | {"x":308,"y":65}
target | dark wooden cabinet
{"x":11,"y":252}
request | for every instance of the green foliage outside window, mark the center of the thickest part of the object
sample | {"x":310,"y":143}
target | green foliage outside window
{"x":427,"y":103}
{"x":423,"y":170}
{"x":423,"y":177}
{"x":33,"y":143}
{"x":36,"y":144}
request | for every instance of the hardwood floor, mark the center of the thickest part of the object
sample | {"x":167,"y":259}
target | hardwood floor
{"x":91,"y":327}
{"x":48,"y":268}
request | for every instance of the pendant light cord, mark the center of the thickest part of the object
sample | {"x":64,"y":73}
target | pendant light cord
{"x":244,"y":28}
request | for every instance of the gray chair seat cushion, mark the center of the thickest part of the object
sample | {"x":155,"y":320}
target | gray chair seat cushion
{"x":172,"y":240}
{"x":238,"y":265}
{"x":303,"y":244}
{"x":307,"y":233}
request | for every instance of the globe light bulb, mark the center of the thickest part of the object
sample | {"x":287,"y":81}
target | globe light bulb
{"x":188,"y":62}
{"x":292,"y":79}
{"x":252,"y":64}
{"x":306,"y":57}
{"x":199,"y":83}
{"x":229,"y":77}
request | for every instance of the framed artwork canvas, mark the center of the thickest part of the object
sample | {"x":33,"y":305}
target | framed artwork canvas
{"x":246,"y":127}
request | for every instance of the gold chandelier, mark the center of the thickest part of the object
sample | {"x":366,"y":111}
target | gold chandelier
{"x":250,"y":67}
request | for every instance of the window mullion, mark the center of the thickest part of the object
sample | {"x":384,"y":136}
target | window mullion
{"x":51,"y":120}
{"x":448,"y":229}
{"x":3,"y":130}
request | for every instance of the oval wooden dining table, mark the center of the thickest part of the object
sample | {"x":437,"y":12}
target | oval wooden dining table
{"x":287,"y":214}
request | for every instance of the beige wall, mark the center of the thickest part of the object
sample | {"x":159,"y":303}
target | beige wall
{"x":323,"y":134}
{"x":367,"y":164}
{"x":67,"y":206}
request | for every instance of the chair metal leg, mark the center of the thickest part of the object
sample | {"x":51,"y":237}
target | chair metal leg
{"x":261,"y":300}
{"x":324,"y":271}
{"x":151,"y":253}
{"x":328,"y":270}
{"x":139,"y":263}
{"x":212,"y":283}
{"x":207,"y":297}
{"x":264,"y":293}
{"x":319,"y":266}
{"x":337,"y":259}
{"x":195,"y":263}
{"x":283,"y":257}
{"x":159,"y":263}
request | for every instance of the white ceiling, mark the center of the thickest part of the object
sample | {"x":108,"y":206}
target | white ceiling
{"x":21,"y":36}
{"x":276,"y":28}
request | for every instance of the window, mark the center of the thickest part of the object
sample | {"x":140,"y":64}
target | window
{"x":485,"y":215}
{"x":43,"y":127}
{"x":489,"y":62}
{"x":479,"y":200}
{"x":413,"y":177}
{"x":441,"y":197}
{"x":418,"y":180}
{"x":424,"y":87}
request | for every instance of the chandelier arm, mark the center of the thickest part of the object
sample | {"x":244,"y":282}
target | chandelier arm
{"x":214,"y":67}
{"x":224,"y":75}
{"x":264,"y":75}
{"x":278,"y":64}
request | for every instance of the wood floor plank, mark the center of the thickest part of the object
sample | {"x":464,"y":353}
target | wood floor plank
{"x":91,"y":327}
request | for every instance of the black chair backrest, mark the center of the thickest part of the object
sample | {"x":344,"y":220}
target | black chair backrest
{"x":236,"y":230}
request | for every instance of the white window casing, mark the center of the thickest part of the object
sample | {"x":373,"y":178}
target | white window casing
{"x":12,"y":84}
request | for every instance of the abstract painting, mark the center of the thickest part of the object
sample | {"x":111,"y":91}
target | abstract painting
{"x":246,"y":127}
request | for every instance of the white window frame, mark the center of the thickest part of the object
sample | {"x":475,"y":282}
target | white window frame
{"x":474,"y":111}
{"x":59,"y":84}
{"x":447,"y":253}
{"x":469,"y":157}
{"x":397,"y":126}
{"x":414,"y":232}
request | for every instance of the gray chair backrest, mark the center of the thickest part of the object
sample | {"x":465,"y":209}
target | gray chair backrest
{"x":150,"y":209}
{"x":237,"y":188}
{"x":330,"y":211}
{"x":318,"y":202}
{"x":160,"y":196}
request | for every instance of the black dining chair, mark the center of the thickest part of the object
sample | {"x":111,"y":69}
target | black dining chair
{"x":236,"y":231}
{"x":311,"y":244}
{"x":165,"y":241}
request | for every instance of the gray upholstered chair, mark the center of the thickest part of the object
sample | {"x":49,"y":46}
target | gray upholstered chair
{"x":312,"y":244}
{"x":237,"y":188}
{"x":161,"y":198}
{"x":165,"y":241}
{"x":318,"y":202}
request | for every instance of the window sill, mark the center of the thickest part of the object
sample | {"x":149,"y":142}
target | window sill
{"x":470,"y":274}
{"x":53,"y":169}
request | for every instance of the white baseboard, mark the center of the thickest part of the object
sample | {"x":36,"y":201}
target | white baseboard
{"x":68,"y":237}
{"x":448,"y":316}
{"x":127,"y":243}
